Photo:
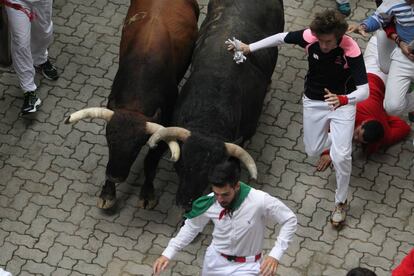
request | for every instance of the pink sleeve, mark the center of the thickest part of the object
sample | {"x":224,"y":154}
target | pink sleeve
{"x":351,"y":48}
{"x":309,"y":37}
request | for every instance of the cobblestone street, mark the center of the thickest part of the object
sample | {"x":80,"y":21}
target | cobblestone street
{"x":52,"y":173}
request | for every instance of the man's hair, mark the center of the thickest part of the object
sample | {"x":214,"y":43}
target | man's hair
{"x":361,"y":271}
{"x":373,"y":131}
{"x":227,"y":172}
{"x":329,"y":22}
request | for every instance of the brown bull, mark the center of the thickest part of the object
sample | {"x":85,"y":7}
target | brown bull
{"x":158,"y":37}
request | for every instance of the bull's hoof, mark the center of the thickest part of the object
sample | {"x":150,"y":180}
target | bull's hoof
{"x":147,"y":203}
{"x":105,"y":203}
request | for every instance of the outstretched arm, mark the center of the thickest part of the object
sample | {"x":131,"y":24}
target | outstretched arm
{"x":268,"y":42}
{"x":186,"y":234}
{"x":381,"y":18}
{"x":271,"y":41}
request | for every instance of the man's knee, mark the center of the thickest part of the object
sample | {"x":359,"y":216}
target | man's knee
{"x":312,"y":150}
{"x":393,"y":108}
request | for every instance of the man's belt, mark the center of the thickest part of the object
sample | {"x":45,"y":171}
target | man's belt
{"x":238,"y":259}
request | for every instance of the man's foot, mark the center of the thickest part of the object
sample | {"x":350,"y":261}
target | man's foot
{"x":344,"y":8}
{"x":48,"y":70}
{"x":31,"y":102}
{"x":339,"y":214}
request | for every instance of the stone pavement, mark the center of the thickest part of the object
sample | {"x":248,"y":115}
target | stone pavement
{"x":51,"y":173}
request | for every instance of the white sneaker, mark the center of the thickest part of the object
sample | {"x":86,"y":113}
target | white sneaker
{"x":339,"y":214}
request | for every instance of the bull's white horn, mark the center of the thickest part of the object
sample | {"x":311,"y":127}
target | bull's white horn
{"x":152,"y":128}
{"x":91,"y":112}
{"x":168,"y":134}
{"x":239,"y":153}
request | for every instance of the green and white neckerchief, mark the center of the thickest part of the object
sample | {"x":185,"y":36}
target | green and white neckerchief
{"x":203,"y":203}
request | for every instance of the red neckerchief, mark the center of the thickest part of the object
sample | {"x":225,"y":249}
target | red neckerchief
{"x":19,"y":7}
{"x":224,"y":212}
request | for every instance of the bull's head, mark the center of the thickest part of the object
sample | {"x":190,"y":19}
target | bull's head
{"x":126,"y":133}
{"x":199,"y":156}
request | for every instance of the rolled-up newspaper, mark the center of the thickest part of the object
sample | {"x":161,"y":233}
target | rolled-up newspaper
{"x":238,"y":55}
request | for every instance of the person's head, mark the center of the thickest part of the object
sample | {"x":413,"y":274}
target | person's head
{"x":328,"y":26}
{"x":361,"y":271}
{"x":409,"y":2}
{"x":225,"y":181}
{"x":369,"y":132}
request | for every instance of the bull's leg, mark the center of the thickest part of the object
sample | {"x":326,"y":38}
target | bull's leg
{"x":107,"y":198}
{"x":147,"y":198}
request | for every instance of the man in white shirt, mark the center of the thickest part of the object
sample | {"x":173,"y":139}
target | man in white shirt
{"x":239,"y":214}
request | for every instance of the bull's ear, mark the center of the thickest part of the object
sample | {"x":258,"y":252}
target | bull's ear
{"x":157,"y":115}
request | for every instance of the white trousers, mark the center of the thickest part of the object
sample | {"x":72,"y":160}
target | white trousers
{"x":30,"y":40}
{"x":216,"y":265}
{"x":318,"y":120}
{"x":385,"y":47}
{"x":372,"y":59}
{"x":401,"y":74}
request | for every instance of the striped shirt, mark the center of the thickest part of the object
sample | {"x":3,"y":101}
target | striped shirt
{"x":397,"y":10}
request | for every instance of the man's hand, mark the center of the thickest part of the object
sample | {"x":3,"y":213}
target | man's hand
{"x":269,"y":266}
{"x":406,"y":50}
{"x":358,"y":29}
{"x":332,"y":99}
{"x":160,"y":265}
{"x":323,"y":163}
{"x":242,"y":47}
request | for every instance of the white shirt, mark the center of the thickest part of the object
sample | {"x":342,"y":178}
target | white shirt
{"x":242,"y":234}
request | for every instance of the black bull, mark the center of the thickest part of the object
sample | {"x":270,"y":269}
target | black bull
{"x":157,"y":40}
{"x":222,"y":101}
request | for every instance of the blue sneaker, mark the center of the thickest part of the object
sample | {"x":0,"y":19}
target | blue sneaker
{"x":344,"y":8}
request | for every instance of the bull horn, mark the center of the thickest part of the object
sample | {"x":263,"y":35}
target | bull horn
{"x":152,"y":128}
{"x":239,"y":153}
{"x":167,"y":134}
{"x":92,"y":112}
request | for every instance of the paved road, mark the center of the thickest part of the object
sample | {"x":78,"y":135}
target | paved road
{"x":51,"y":173}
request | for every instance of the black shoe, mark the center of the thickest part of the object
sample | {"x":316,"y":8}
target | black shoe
{"x":411,"y":116}
{"x":48,"y":70}
{"x":31,"y":102}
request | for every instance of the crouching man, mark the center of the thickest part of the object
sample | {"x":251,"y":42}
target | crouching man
{"x":239,"y":214}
